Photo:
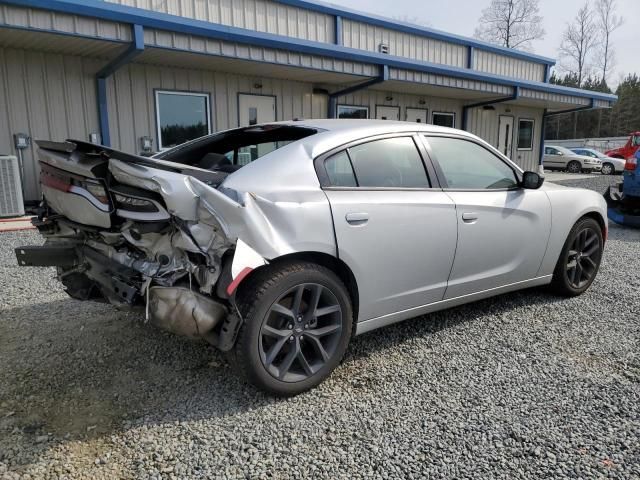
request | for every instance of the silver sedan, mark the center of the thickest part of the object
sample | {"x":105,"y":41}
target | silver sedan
{"x":279,"y":242}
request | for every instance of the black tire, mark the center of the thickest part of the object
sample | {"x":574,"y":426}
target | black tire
{"x":574,"y":167}
{"x":256,"y":300}
{"x":586,"y":266}
{"x":608,"y":169}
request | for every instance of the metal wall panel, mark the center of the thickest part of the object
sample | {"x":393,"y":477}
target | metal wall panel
{"x":369,"y":37}
{"x":47,"y":96}
{"x":484,"y":123}
{"x":260,"y":15}
{"x":179,"y":41}
{"x":555,"y":97}
{"x":508,"y":66}
{"x":132,"y":101}
{"x":444,"y":81}
{"x":20,"y":17}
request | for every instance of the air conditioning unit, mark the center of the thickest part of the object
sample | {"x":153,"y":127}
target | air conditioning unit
{"x":11,"y":201}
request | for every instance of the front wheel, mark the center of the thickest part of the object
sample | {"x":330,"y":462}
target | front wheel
{"x":579,"y":260}
{"x":574,"y":167}
{"x":607,"y":169}
{"x":297,"y":325}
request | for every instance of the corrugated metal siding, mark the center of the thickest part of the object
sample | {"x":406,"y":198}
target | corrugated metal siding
{"x":132,"y":102}
{"x":554,"y":97}
{"x":502,"y":65}
{"x":260,"y":15}
{"x":164,"y":39}
{"x":444,"y":81}
{"x":368,"y":37}
{"x":47,"y":96}
{"x":371,"y":98}
{"x":484,"y":123}
{"x":11,"y":16}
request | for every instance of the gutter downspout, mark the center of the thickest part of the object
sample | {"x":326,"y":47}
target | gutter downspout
{"x":466,"y":108}
{"x":135,"y":48}
{"x":333,"y":97}
{"x":546,"y":115}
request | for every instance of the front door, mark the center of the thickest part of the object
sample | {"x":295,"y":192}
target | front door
{"x":387,"y":113}
{"x":418,"y":115}
{"x":502,"y":229}
{"x":505,"y":135}
{"x":396,"y":234}
{"x":255,"y":109}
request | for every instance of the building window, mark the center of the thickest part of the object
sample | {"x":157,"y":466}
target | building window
{"x":181,"y":116}
{"x":444,"y":119}
{"x":525,"y":134}
{"x":351,"y":111}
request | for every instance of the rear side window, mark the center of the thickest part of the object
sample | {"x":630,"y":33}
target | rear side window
{"x":467,"y":165}
{"x":390,"y":163}
{"x":339,"y":170}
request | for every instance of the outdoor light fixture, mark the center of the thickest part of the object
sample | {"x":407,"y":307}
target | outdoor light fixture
{"x":422,"y":101}
{"x":146,"y":144}
{"x":488,"y":107}
{"x":389,"y":98}
{"x":257,"y":86}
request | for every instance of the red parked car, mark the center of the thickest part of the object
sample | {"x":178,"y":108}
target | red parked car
{"x":629,"y":150}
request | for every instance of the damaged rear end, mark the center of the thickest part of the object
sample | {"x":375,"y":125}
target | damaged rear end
{"x":139,"y":232}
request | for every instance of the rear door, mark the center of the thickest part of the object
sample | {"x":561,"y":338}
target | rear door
{"x":394,"y":227}
{"x":502,"y":229}
{"x":553,"y":158}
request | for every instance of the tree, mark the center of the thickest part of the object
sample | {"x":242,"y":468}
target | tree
{"x":511,"y":23}
{"x":608,"y":22}
{"x":578,"y":41}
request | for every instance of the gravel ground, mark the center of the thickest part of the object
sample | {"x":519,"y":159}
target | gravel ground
{"x":522,"y":386}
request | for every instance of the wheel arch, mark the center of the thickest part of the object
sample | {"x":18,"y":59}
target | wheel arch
{"x":598,"y":218}
{"x":336,"y":265}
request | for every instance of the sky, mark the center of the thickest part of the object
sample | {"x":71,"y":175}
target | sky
{"x":461,"y":17}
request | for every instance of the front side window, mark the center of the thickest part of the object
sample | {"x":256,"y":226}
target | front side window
{"x":467,"y":165}
{"x":181,"y":116}
{"x":444,"y":119}
{"x":390,"y":162}
{"x":351,"y":111}
{"x":525,"y":134}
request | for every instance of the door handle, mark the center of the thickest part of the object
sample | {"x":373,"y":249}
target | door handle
{"x":469,"y":217}
{"x":357,"y":218}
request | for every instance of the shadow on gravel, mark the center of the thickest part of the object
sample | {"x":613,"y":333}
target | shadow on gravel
{"x":78,"y":370}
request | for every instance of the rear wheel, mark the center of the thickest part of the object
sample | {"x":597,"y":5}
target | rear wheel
{"x":574,"y":167}
{"x":579,"y":260}
{"x":607,"y":169}
{"x":297,"y":325}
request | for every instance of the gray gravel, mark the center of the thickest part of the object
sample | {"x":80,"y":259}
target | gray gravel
{"x":522,"y":386}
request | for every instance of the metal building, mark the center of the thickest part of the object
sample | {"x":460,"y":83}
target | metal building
{"x":142,"y":75}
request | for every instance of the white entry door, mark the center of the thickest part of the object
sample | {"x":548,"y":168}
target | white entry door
{"x":418,"y":115}
{"x":256,"y":109}
{"x":505,"y":135}
{"x":387,"y":113}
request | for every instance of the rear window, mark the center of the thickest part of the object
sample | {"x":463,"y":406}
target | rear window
{"x":231,"y":150}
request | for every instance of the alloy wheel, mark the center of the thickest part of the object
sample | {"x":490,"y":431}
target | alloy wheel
{"x":607,"y":169}
{"x":574,"y":167}
{"x":300,"y":332}
{"x":583,"y":258}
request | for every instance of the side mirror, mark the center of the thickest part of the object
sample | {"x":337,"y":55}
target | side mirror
{"x":532,"y":180}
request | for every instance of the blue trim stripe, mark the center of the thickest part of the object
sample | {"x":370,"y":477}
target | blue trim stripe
{"x":163,"y":21}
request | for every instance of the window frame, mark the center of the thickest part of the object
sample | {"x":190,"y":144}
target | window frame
{"x":533,"y":134}
{"x":448,"y":114}
{"x":156,"y":95}
{"x":323,"y":176}
{"x":518,"y":173}
{"x":363,"y":107}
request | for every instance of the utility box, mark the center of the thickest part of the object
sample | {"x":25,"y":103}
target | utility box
{"x":11,"y":199}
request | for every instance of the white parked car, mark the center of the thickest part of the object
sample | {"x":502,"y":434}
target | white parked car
{"x":610,"y":165}
{"x":560,"y":158}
